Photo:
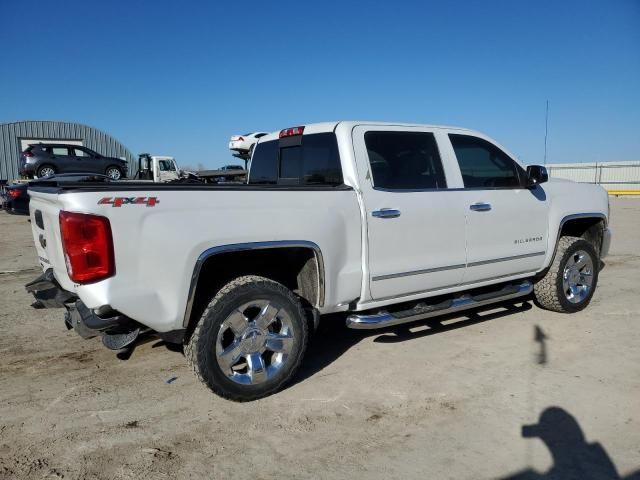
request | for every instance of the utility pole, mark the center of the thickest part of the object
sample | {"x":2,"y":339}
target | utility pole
{"x":546,"y":131}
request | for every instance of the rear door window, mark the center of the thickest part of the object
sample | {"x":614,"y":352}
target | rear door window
{"x":404,"y":160}
{"x":79,"y":152}
{"x":58,"y":151}
{"x":310,"y":160}
{"x":483,"y":165}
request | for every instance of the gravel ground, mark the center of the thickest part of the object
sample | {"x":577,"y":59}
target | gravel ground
{"x":440,"y":400}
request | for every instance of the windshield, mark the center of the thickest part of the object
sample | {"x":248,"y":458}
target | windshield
{"x":166,"y":166}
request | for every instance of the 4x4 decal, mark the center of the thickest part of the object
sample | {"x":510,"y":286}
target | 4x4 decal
{"x":119,"y":201}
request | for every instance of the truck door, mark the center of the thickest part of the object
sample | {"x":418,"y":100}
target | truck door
{"x":506,"y":222}
{"x":166,"y":170}
{"x":415,"y":223}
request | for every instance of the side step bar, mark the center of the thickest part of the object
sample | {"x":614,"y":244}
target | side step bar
{"x":421,"y":311}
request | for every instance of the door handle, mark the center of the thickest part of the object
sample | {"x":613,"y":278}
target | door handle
{"x":480,"y":207}
{"x":386,"y":213}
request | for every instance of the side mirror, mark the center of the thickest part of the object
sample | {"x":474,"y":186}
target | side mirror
{"x":536,"y":174}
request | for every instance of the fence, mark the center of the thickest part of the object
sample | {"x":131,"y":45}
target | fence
{"x":619,"y":178}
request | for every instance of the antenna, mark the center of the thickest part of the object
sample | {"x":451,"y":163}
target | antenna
{"x":546,"y":131}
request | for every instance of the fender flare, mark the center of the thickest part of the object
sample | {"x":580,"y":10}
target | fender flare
{"x":240,"y":247}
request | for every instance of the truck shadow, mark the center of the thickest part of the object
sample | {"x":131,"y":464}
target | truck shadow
{"x":333,"y":338}
{"x":573,"y":457}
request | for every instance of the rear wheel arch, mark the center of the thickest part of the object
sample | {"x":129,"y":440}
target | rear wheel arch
{"x":297,"y":264}
{"x":46,"y":165}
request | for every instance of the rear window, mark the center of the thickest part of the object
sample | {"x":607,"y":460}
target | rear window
{"x":306,"y":160}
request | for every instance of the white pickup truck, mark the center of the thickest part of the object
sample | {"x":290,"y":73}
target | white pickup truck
{"x":389,"y":223}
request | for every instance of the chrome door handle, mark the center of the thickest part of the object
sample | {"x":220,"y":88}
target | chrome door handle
{"x":386,"y":213}
{"x":480,"y":207}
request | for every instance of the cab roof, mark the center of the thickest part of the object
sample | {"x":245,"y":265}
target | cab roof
{"x":323,"y":127}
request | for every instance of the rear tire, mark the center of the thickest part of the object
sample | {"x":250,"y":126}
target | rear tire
{"x":571,"y":280}
{"x":250,"y":340}
{"x":46,"y":170}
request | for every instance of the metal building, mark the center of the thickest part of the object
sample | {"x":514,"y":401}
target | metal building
{"x":616,"y":177}
{"x":16,"y":136}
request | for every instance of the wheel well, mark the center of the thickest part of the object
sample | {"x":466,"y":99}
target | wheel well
{"x":46,"y":165}
{"x":299,"y":269}
{"x":591,"y":229}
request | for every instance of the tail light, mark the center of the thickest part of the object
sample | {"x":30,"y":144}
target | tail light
{"x":88,"y":246}
{"x":13,"y":193}
{"x":27,"y":153}
{"x":291,"y":132}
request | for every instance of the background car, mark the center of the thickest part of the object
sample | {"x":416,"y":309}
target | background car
{"x":43,"y":160}
{"x":245,"y":143}
{"x":16,"y":199}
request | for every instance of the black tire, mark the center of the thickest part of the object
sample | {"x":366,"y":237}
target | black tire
{"x":46,"y":166}
{"x":549,"y":292}
{"x":113,"y":167}
{"x":200,"y":348}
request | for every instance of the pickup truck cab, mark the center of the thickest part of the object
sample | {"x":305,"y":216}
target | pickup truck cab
{"x":389,"y":223}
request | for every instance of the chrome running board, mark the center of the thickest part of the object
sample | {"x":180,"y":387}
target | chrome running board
{"x":421,"y":311}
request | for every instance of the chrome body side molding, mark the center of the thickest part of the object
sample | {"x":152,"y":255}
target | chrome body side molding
{"x":421,"y":311}
{"x":239,"y":247}
{"x":505,"y":259}
{"x":453,"y":267}
{"x":416,"y":272}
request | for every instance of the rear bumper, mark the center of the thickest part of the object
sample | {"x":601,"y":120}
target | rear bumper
{"x":238,"y":145}
{"x":27,"y":169}
{"x":86,"y":322}
{"x":48,"y":292}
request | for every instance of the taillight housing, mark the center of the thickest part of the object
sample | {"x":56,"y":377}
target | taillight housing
{"x":88,"y":247}
{"x":27,"y":153}
{"x":13,"y":193}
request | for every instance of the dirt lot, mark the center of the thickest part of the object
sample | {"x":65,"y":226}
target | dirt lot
{"x":437,"y":401}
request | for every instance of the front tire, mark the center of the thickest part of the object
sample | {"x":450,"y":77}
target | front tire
{"x":571,"y":280}
{"x":250,"y":340}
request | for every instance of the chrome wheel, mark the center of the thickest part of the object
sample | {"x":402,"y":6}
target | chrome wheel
{"x":114,"y":173}
{"x":577,"y":276}
{"x":254,"y":342}
{"x":47,"y":171}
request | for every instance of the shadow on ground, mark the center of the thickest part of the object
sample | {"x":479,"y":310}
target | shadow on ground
{"x":333,"y":338}
{"x":573,"y":457}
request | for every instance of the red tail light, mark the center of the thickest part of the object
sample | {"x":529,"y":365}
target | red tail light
{"x":88,"y":246}
{"x":13,"y":193}
{"x":291,"y":132}
{"x":27,"y":153}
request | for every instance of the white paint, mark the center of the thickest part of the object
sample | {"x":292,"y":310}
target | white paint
{"x":156,"y":248}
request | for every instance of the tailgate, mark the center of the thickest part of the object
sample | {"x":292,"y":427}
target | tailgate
{"x":44,"y":209}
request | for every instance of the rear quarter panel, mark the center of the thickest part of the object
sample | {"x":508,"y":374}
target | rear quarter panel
{"x":156,"y":248}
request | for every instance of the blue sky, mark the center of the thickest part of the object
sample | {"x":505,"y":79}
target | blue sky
{"x":179,"y":78}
